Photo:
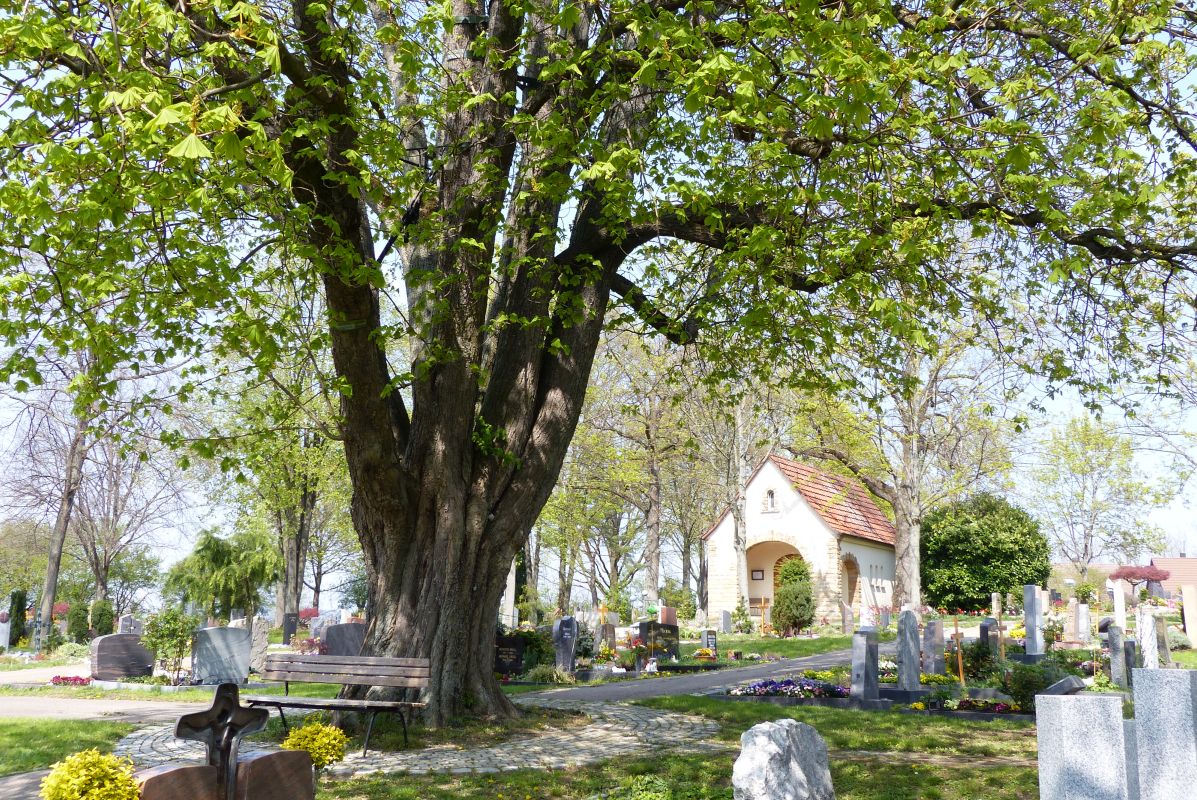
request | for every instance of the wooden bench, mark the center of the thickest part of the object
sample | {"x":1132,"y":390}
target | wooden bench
{"x":405,"y":673}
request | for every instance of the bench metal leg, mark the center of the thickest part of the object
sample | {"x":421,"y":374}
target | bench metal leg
{"x":403,"y":719}
{"x":283,"y":717}
{"x":369,"y":730}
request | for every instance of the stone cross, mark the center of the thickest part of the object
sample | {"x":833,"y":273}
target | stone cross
{"x":220,"y":728}
{"x":933,"y":663}
{"x":864,"y":664}
{"x":1032,"y":619}
{"x":909,"y":661}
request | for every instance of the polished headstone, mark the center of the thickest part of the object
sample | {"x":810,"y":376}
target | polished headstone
{"x":1118,"y":667}
{"x":565,"y":642}
{"x":179,"y":782}
{"x":1032,"y":619}
{"x":120,"y":655}
{"x":1069,"y":684}
{"x":909,"y":661}
{"x":130,"y":624}
{"x":933,"y":652}
{"x":290,"y":626}
{"x":663,"y":640}
{"x":220,"y":728}
{"x":1082,"y":747}
{"x":285,"y":775}
{"x":864,"y":664}
{"x":606,"y":635}
{"x":221,"y":655}
{"x":1166,"y":733}
{"x":509,"y":655}
{"x":710,"y":640}
{"x":345,"y":639}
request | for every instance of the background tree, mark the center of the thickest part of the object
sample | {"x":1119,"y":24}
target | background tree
{"x":496,"y":167}
{"x":222,"y":575}
{"x":977,"y":546}
{"x":1134,"y":575}
{"x":1093,"y":498}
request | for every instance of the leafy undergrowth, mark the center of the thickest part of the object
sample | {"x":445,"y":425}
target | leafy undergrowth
{"x":881,"y":731}
{"x":693,"y":777}
{"x":31,"y":744}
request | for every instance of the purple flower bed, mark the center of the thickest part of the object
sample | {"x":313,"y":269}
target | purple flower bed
{"x":790,"y":687}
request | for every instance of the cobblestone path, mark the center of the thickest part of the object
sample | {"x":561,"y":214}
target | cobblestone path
{"x":615,"y":730}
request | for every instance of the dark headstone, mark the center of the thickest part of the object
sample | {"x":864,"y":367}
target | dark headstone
{"x":710,"y":640}
{"x":220,"y":728}
{"x":177,"y":781}
{"x":120,"y":655}
{"x":285,"y":775}
{"x":1071,"y":684}
{"x":1104,"y":625}
{"x":661,"y":640}
{"x":509,"y":655}
{"x":130,"y":624}
{"x":1055,"y":597}
{"x":565,"y":642}
{"x":345,"y":640}
{"x":221,"y":655}
{"x":290,"y":625}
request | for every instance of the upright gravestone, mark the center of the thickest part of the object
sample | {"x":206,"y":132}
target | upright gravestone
{"x":868,"y":619}
{"x":221,"y":655}
{"x":1161,"y":642}
{"x":130,"y":624}
{"x":1032,"y":619}
{"x":846,"y":618}
{"x":120,"y":655}
{"x":259,"y":632}
{"x":987,"y":633}
{"x":933,"y":660}
{"x":606,"y":635}
{"x":565,"y":642}
{"x":884,"y":621}
{"x":1118,"y":667}
{"x":1188,"y":595}
{"x":1082,"y":748}
{"x":1148,"y":639}
{"x":725,"y":622}
{"x":1120,"y":604}
{"x":864,"y":664}
{"x":290,"y":625}
{"x":345,"y":639}
{"x":784,"y":760}
{"x":995,"y":604}
{"x":661,"y":640}
{"x":509,"y":655}
{"x":710,"y":641}
{"x":1084,"y":626}
{"x":667,"y":615}
{"x":1166,"y":733}
{"x":909,"y":662}
{"x":5,"y":629}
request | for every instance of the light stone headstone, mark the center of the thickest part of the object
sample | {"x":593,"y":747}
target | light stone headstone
{"x":1120,"y":604}
{"x":725,"y":622}
{"x":1161,"y":642}
{"x":1188,"y":595}
{"x":1082,"y":748}
{"x":1084,"y":626}
{"x":933,"y":659}
{"x":1148,"y":639}
{"x":783,"y":760}
{"x":1166,"y":733}
{"x":259,"y":640}
{"x":864,"y":664}
{"x":1118,"y":668}
{"x":5,"y":630}
{"x":909,"y":661}
{"x":846,"y":619}
{"x":995,"y":604}
{"x":989,"y":632}
{"x":130,"y":624}
{"x":1032,"y":619}
{"x":221,"y":655}
{"x":345,"y":639}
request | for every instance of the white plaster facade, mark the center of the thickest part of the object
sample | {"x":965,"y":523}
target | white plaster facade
{"x":781,"y":523}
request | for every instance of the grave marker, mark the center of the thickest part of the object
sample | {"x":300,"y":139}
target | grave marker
{"x":1118,"y":667}
{"x":1148,"y":639}
{"x":175,"y":781}
{"x":284,"y":775}
{"x":120,"y":655}
{"x":220,"y":728}
{"x":130,"y":624}
{"x":864,"y":664}
{"x":345,"y":639}
{"x":5,"y":629}
{"x":725,"y":622}
{"x":662,"y":640}
{"x":1032,"y":619}
{"x":1084,"y":625}
{"x":565,"y":642}
{"x":908,"y":652}
{"x":1082,"y":748}
{"x":933,"y":660}
{"x":509,"y":655}
{"x":846,"y":618}
{"x":1120,"y":604}
{"x":290,"y":625}
{"x":995,"y":605}
{"x":1166,"y":733}
{"x":221,"y":655}
{"x":710,"y":641}
{"x":667,"y":615}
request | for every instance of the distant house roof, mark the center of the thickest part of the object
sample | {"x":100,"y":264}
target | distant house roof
{"x":1181,"y":572}
{"x":842,"y":503}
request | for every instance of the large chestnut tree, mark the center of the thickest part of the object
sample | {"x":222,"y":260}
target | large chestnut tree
{"x":474,"y":187}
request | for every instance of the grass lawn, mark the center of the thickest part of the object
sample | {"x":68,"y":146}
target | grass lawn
{"x":31,"y":744}
{"x":786,"y":648}
{"x":1186,"y":658}
{"x":187,"y":696}
{"x":10,"y":664}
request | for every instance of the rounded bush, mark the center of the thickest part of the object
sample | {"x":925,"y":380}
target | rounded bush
{"x":91,"y":775}
{"x":793,"y":606}
{"x":324,"y":743}
{"x":102,"y":617}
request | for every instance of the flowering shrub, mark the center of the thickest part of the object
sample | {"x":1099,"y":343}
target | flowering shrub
{"x":70,"y":680}
{"x":324,"y":743}
{"x":308,"y":614}
{"x":61,"y":609}
{"x":606,"y":654}
{"x":918,"y":706}
{"x":310,"y":646}
{"x":790,"y":687}
{"x":926,"y":678}
{"x":988,"y":706}
{"x":91,"y":775}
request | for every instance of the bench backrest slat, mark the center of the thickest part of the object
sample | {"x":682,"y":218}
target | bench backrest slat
{"x":349,"y":670}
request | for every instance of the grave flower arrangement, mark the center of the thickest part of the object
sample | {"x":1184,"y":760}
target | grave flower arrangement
{"x":70,"y":680}
{"x":704,"y":652}
{"x":790,"y":687}
{"x":983,"y":705}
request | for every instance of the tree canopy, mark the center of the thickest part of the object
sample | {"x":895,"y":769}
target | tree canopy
{"x":473,"y":183}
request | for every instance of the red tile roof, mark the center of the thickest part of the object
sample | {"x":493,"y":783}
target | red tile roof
{"x":842,"y":503}
{"x":1181,"y":572}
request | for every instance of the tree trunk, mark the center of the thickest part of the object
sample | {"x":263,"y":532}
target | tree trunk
{"x":295,"y":540}
{"x":72,"y":478}
{"x":565,"y":579}
{"x":907,"y":589}
{"x":687,"y":569}
{"x":702,"y":579}
{"x":652,"y":539}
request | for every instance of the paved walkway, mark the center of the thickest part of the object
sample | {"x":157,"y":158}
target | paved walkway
{"x":135,"y":711}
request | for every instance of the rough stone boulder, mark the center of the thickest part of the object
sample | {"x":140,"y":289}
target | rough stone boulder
{"x":785,"y":760}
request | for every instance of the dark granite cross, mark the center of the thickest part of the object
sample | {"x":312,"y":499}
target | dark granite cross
{"x":220,"y":728}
